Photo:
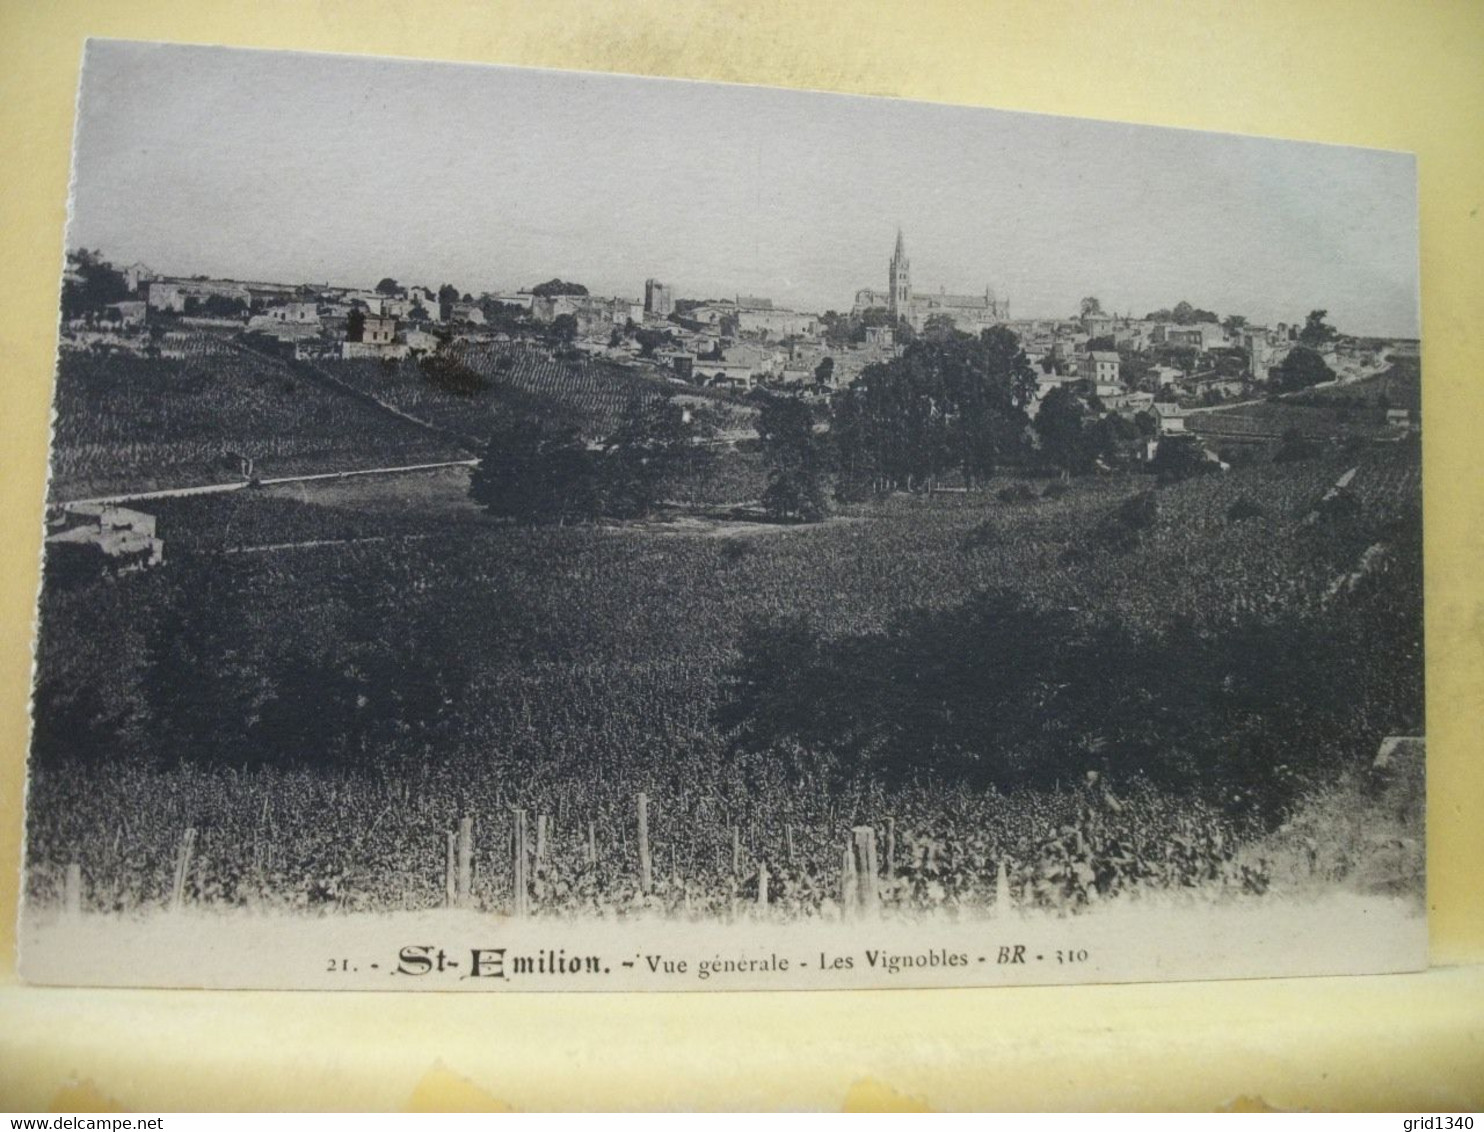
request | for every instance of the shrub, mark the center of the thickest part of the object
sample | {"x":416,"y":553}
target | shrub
{"x":1138,"y":513}
{"x":1245,"y":508}
{"x":1123,"y":529}
{"x":1339,"y":506}
{"x":449,"y":374}
{"x":1295,"y":446}
{"x":1016,"y":493}
{"x":734,"y":550}
{"x":1180,"y":458}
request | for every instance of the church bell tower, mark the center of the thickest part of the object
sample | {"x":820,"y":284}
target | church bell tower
{"x":900,"y":278}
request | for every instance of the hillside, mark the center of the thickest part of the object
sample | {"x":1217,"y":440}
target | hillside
{"x":1398,"y":387}
{"x":416,"y":651}
{"x":1354,"y":410}
{"x":583,"y":393}
{"x":130,"y":424}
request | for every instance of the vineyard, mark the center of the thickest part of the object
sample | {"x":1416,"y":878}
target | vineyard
{"x":1398,"y":387}
{"x":318,"y":738}
{"x":261,"y":839}
{"x":129,"y":424}
{"x":126,"y":423}
{"x":1323,"y":419}
{"x":587,"y":394}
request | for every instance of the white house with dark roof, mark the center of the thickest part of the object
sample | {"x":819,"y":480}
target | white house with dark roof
{"x":1099,"y":368}
{"x":1170,"y":417}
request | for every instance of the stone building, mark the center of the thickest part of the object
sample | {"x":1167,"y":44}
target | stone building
{"x":113,"y":537}
{"x":659,"y":299}
{"x":1099,"y":368}
{"x":969,"y":313}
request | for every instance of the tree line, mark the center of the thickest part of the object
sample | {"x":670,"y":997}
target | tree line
{"x":950,"y":405}
{"x":538,"y":471}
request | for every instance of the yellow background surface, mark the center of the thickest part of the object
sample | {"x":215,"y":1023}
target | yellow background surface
{"x":1406,"y":76}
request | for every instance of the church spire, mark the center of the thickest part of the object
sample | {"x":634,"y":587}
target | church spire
{"x":899,"y":280}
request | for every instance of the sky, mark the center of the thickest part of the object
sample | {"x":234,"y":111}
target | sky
{"x":297,"y":167}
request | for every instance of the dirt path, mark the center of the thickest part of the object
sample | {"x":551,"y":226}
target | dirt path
{"x":239,"y":485}
{"x":267,"y":548}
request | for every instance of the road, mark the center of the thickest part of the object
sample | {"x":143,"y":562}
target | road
{"x":267,"y":548}
{"x":238,"y":485}
{"x":1341,"y":380}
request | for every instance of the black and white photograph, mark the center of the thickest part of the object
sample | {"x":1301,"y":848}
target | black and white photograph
{"x":525,"y":530}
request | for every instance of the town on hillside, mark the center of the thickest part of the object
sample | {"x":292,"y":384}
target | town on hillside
{"x":1158,"y":370}
{"x":1095,"y":391}
{"x":1182,"y":355}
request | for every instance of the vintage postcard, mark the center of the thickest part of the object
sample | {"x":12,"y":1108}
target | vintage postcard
{"x":513,"y":530}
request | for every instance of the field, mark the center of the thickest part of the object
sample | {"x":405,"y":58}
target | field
{"x":129,"y":424}
{"x":344,"y":704}
{"x":411,"y":505}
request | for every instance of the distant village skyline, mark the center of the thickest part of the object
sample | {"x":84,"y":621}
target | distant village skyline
{"x":304,"y":168}
{"x":715,"y":295}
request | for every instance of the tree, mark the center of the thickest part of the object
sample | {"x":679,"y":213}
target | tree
{"x":1316,"y":331}
{"x":824,"y":372}
{"x":448,"y":294}
{"x":564,"y":327}
{"x":650,"y":340}
{"x":993,"y":393}
{"x":223,"y":306}
{"x":953,"y":401}
{"x":1181,"y":357}
{"x":1090,"y":307}
{"x":651,"y":447}
{"x":355,"y":325}
{"x":533,"y":472}
{"x":1059,"y":427}
{"x":1301,"y":369}
{"x":1234,"y":323}
{"x":1135,"y":368}
{"x":797,"y":461}
{"x":95,"y":285}
{"x":1101,"y":342}
{"x":388,"y":287}
{"x":506,"y":317}
{"x":837,"y":328}
{"x":1295,"y":446}
{"x":447,"y":372}
{"x":858,"y":324}
{"x":1112,"y":439}
{"x":554,"y":287}
{"x":1181,"y":457}
{"x":1183,"y":314}
{"x":939,"y":327}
